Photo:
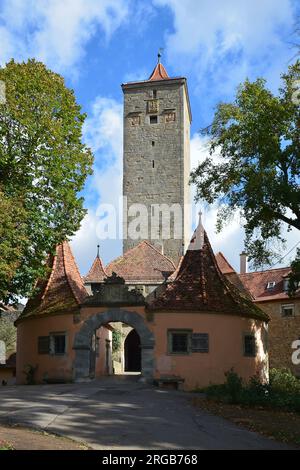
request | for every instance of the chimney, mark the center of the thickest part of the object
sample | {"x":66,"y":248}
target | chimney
{"x":243,"y":263}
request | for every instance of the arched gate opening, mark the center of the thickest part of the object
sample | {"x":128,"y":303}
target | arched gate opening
{"x":83,"y":341}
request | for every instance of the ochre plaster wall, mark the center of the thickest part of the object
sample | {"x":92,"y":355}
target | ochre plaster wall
{"x":197,"y":369}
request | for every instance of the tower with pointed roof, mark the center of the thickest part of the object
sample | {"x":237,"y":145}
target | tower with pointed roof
{"x":157,"y":119}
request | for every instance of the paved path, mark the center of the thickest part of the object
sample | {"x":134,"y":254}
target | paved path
{"x":124,"y":414}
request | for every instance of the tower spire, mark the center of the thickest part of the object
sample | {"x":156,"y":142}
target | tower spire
{"x":98,"y":251}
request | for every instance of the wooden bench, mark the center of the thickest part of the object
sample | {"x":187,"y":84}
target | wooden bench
{"x":170,"y":381}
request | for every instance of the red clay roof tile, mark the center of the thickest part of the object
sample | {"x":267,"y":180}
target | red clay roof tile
{"x":62,"y":290}
{"x":223,"y":264}
{"x":200,"y":286}
{"x":159,"y":73}
{"x":142,"y":263}
{"x":256,"y":283}
{"x":97,"y":272}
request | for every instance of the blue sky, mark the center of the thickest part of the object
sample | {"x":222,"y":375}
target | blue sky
{"x":98,"y":44}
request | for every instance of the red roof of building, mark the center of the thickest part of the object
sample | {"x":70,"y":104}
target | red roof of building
{"x":200,"y":286}
{"x":159,"y":73}
{"x":62,"y":290}
{"x":97,"y":272}
{"x":257,"y":283}
{"x":142,"y":263}
{"x":223,"y":264}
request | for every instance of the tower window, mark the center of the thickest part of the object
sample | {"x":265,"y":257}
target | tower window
{"x":153,"y":119}
{"x":152,"y":163}
{"x":154,"y":94}
{"x":153,"y":143}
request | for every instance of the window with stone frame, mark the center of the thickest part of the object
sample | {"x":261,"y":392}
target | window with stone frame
{"x":249,"y":345}
{"x":287,"y":310}
{"x":179,"y":341}
{"x":58,"y":343}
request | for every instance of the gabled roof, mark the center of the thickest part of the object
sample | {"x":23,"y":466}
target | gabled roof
{"x":62,"y":291}
{"x":223,"y":264}
{"x":257,"y":282}
{"x":201,"y":287}
{"x":232,"y":276}
{"x":97,"y":272}
{"x":142,"y":263}
{"x":159,"y":73}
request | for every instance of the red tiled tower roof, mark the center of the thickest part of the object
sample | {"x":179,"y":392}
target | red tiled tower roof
{"x":142,"y":263}
{"x":62,"y":291}
{"x":97,"y":272}
{"x":201,"y":287}
{"x":159,"y":73}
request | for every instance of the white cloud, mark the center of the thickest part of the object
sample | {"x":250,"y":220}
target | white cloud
{"x":56,"y":31}
{"x":103,"y":132}
{"x":221,"y":42}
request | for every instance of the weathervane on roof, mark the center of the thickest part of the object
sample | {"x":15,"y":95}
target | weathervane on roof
{"x":160,"y":51}
{"x":98,"y":251}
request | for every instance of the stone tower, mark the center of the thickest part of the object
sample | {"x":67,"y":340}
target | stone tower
{"x":157,"y":118}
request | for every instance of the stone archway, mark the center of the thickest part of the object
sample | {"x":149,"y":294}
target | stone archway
{"x":82,"y":341}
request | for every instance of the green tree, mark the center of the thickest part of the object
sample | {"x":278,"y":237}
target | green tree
{"x":8,"y":334}
{"x":257,"y":172}
{"x":43,"y":167}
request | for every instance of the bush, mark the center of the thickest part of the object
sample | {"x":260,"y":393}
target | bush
{"x":234,"y":386}
{"x":283,"y":381}
{"x":30,"y":371}
{"x":282,"y":392}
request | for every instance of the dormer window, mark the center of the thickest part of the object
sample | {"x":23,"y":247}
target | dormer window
{"x":271,"y":285}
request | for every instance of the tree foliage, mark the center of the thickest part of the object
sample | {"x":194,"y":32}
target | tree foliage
{"x":8,"y":334}
{"x":43,"y":167}
{"x":257,"y":171}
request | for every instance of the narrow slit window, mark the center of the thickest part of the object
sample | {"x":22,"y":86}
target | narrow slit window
{"x":153,"y":143}
{"x":154,"y":94}
{"x":153,"y":164}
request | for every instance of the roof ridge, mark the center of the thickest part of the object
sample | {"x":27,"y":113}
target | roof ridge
{"x":264,"y":271}
{"x":65,"y":245}
{"x":53,"y":267}
{"x":225,"y":260}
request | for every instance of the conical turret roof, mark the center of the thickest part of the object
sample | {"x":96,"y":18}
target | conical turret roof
{"x":62,"y":291}
{"x":97,"y":272}
{"x":201,"y":287}
{"x":159,"y":73}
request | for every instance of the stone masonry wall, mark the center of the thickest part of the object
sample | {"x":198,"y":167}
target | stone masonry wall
{"x":156,"y":156}
{"x":282,"y":332}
